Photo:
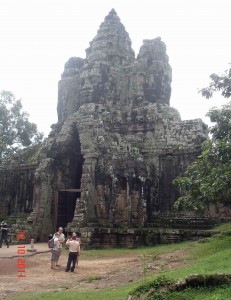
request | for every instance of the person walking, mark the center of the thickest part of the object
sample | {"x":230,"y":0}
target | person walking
{"x":4,"y":234}
{"x":74,"y":252}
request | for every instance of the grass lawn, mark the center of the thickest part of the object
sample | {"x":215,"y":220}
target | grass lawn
{"x":110,"y":294}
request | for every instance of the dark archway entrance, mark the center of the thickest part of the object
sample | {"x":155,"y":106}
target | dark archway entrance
{"x":66,"y":206}
{"x":68,"y":179}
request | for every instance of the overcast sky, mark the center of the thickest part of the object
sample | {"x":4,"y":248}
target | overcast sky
{"x":37,"y":37}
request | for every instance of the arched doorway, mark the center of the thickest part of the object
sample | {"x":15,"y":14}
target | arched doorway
{"x":66,"y":206}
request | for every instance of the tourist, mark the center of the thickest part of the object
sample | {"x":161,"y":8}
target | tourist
{"x":61,"y":241}
{"x":74,"y":252}
{"x":54,"y":251}
{"x":78,"y":240}
{"x":4,"y":234}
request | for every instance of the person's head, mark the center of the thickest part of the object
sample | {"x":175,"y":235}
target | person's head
{"x":73,"y":234}
{"x":3,"y":224}
{"x":60,"y":229}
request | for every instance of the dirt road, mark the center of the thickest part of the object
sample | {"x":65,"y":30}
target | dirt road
{"x":106,"y":272}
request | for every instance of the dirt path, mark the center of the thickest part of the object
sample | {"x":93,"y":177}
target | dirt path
{"x":107,"y":272}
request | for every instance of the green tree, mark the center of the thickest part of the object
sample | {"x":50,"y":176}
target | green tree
{"x":16,"y":132}
{"x":208,"y":180}
{"x":219,"y":83}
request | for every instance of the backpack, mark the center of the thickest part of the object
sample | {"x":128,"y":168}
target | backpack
{"x":51,"y":243}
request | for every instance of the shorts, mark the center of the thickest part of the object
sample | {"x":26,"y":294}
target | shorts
{"x":59,"y":251}
{"x":54,"y":255}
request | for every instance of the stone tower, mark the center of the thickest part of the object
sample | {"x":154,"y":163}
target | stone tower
{"x":111,"y":158}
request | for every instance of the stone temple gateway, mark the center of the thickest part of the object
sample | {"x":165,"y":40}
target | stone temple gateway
{"x":110,"y":160}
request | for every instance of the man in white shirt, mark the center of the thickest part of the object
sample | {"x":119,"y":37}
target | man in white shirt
{"x":74,"y":252}
{"x":54,"y":251}
{"x":61,"y":241}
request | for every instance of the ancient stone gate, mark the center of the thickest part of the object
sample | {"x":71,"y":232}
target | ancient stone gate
{"x":117,"y":139}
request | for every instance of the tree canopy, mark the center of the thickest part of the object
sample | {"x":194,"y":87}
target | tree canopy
{"x":208,"y":180}
{"x":219,"y":83}
{"x":16,"y":132}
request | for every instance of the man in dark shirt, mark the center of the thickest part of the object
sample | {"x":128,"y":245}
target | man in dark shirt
{"x":4,"y":234}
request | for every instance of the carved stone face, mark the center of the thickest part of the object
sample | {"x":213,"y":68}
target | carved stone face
{"x":90,"y":78}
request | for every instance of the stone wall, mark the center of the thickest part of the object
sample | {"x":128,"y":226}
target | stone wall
{"x":96,"y":237}
{"x":16,"y":186}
